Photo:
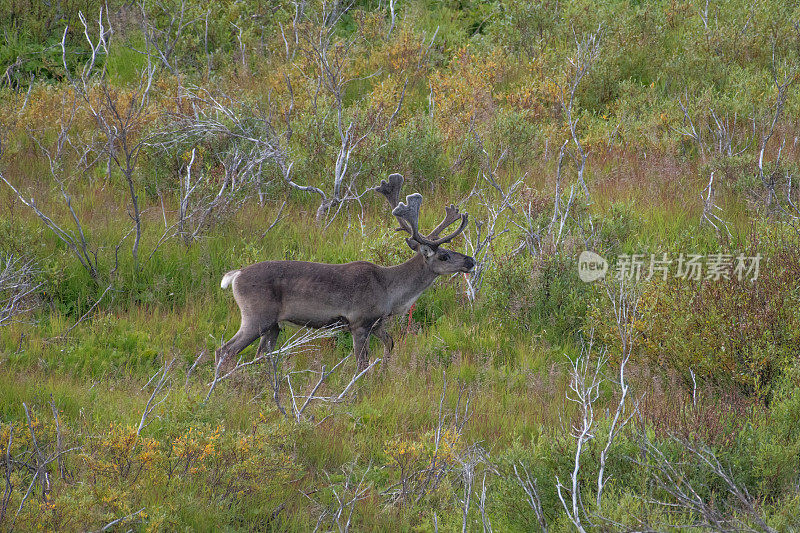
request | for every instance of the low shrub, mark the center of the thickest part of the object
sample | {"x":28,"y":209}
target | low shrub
{"x":544,"y":294}
{"x":729,"y":332}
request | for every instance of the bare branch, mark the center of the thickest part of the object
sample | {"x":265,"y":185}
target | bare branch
{"x":392,"y":14}
{"x":587,"y":50}
{"x":163,"y":376}
{"x":497,"y":202}
{"x":86,"y":314}
{"x":709,"y":211}
{"x":674,"y":479}
{"x":76,"y":243}
{"x":339,"y":514}
{"x":531,"y":489}
{"x":584,"y":389}
{"x":17,"y":286}
{"x":298,"y":340}
{"x":131,"y":517}
{"x":9,"y":485}
{"x":625,"y":303}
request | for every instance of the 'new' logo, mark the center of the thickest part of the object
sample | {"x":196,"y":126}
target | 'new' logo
{"x":591,"y":266}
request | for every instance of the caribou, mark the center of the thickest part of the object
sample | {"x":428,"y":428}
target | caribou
{"x":359,"y":296}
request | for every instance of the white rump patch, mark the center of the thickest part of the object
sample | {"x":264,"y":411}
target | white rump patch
{"x":228,"y":278}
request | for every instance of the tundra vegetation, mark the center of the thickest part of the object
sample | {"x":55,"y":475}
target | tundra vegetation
{"x":148,"y":147}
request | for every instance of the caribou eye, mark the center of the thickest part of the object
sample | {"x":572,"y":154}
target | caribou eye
{"x":444,"y":257}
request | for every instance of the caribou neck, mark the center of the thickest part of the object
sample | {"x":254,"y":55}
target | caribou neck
{"x":407,"y":281}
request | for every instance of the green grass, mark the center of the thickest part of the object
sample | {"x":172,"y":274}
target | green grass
{"x":494,"y":371}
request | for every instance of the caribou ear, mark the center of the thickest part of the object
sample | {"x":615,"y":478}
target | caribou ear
{"x":426,"y":251}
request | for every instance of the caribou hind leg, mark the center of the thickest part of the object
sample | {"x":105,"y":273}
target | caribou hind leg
{"x":268,"y":340}
{"x":244,"y":337}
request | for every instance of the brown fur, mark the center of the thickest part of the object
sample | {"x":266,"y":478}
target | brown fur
{"x":358,"y":296}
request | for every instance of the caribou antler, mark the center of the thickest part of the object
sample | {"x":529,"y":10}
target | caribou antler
{"x":451,"y":215}
{"x":437,"y":242}
{"x":391,"y":191}
{"x":409,"y":212}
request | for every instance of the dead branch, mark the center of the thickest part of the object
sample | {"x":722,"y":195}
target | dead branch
{"x":674,"y":479}
{"x":332,"y":59}
{"x":709,"y":210}
{"x":85,"y":315}
{"x":531,"y":488}
{"x":416,"y":483}
{"x":584,"y":390}
{"x":625,"y":303}
{"x":119,"y":118}
{"x":131,"y":518}
{"x":17,"y":287}
{"x":75,"y":241}
{"x":163,"y":377}
{"x":339,"y":513}
{"x":469,"y":460}
{"x":487,"y":524}
{"x":162,"y":42}
{"x":587,"y":50}
{"x":9,"y":486}
{"x":692,"y":132}
{"x":253,"y":142}
{"x":40,"y":467}
{"x":301,"y":338}
{"x":59,"y":439}
{"x":486,"y":228}
{"x":392,"y":14}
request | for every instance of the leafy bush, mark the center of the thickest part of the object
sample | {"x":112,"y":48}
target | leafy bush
{"x":416,"y":151}
{"x":545,"y":295}
{"x":729,"y":332}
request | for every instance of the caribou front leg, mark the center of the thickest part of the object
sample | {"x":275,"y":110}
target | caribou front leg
{"x":388,"y":343}
{"x":361,"y":335}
